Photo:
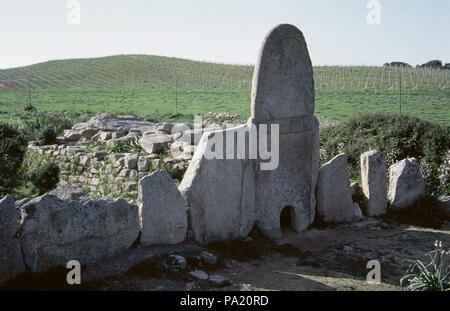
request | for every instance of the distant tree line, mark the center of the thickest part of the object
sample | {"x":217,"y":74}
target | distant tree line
{"x":434,"y":64}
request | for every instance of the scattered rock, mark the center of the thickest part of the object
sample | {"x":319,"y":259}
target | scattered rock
{"x":117,"y":135}
{"x":74,"y":150}
{"x":164,"y":128}
{"x":154,"y":143}
{"x":177,"y":148}
{"x":181,"y":127}
{"x":104,"y":136}
{"x":133,"y":175}
{"x":70,"y":135}
{"x":191,"y":137}
{"x":208,"y":258}
{"x":143,"y":164}
{"x":218,"y":281}
{"x":131,"y":161}
{"x":110,"y":123}
{"x":190,"y":286}
{"x":177,"y":262}
{"x":88,"y":132}
{"x":85,"y":160}
{"x":100,"y":155}
{"x":198,"y":275}
{"x":406,"y":183}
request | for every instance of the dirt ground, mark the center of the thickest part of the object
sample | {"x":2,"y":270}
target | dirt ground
{"x":323,"y":259}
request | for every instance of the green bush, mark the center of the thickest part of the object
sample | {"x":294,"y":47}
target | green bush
{"x":47,"y":135}
{"x":397,"y":136}
{"x":434,"y":276}
{"x":45,"y":177}
{"x":45,"y":127}
{"x":12,"y":151}
{"x":425,"y":213}
{"x":123,"y":146}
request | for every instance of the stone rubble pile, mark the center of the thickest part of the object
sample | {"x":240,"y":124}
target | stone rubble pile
{"x":84,"y":158}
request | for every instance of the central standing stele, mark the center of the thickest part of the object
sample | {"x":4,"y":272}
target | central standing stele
{"x":227,"y":197}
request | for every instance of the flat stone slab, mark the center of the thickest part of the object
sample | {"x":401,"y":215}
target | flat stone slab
{"x":107,"y":122}
{"x":154,"y":143}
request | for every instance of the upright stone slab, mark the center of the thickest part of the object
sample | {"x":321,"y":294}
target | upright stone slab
{"x":374,"y":182}
{"x":406,"y":183}
{"x":219,"y":192}
{"x":283,"y":94}
{"x":11,"y":261}
{"x":162,"y":210}
{"x":334,"y":197}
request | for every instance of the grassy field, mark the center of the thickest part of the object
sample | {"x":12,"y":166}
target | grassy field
{"x":154,"y":86}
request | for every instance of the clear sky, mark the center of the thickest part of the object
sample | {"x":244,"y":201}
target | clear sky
{"x":227,"y":31}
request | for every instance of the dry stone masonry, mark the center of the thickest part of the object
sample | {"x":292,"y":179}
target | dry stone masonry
{"x":86,"y":158}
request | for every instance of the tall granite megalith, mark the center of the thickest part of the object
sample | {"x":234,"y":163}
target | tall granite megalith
{"x":283,"y":94}
{"x":227,"y":196}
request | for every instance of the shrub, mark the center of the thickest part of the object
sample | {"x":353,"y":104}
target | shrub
{"x":45,"y":127}
{"x":45,"y":177}
{"x":425,"y":213}
{"x":397,"y":136}
{"x":47,"y":135}
{"x":12,"y":150}
{"x":123,"y":146}
{"x":435,"y":276}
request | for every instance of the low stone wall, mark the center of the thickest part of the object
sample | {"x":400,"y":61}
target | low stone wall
{"x":107,"y":175}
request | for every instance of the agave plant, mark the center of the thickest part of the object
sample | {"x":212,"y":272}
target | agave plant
{"x":435,"y":276}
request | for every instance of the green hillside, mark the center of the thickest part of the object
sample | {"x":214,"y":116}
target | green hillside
{"x":153,"y":85}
